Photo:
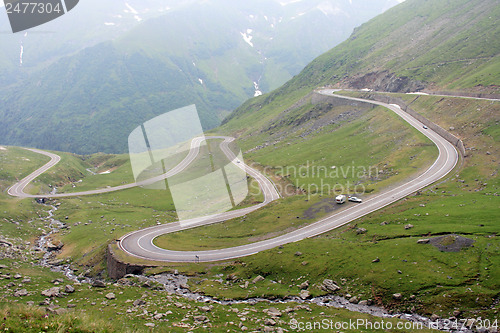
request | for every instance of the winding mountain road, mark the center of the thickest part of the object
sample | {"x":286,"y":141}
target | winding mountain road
{"x":140,"y":243}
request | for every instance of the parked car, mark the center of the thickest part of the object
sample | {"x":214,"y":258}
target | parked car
{"x":425,"y":127}
{"x":355,"y":199}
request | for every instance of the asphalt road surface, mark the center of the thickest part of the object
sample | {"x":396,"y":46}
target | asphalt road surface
{"x":140,"y":243}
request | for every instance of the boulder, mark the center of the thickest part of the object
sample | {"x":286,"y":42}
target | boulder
{"x":98,"y":284}
{"x":397,"y":296}
{"x":69,"y":289}
{"x":304,"y":294}
{"x":52,"y":292}
{"x":273,"y":312}
{"x":21,"y":293}
{"x":423,"y":241}
{"x":54,"y":246}
{"x":360,"y":231}
{"x":258,"y":279}
{"x":408,"y":226}
{"x":139,"y":302}
{"x":269,"y":322}
{"x":354,"y":300}
{"x":110,"y":296}
{"x":201,"y":319}
{"x":329,"y":285}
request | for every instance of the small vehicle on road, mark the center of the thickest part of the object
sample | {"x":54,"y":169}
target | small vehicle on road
{"x":425,"y":127}
{"x":355,"y":199}
{"x":340,"y":199}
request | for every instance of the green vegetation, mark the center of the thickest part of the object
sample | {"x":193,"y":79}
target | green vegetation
{"x":464,"y":204}
{"x":94,"y":310}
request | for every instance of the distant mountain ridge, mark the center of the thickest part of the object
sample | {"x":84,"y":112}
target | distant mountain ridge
{"x":418,"y":45}
{"x":214,"y":53}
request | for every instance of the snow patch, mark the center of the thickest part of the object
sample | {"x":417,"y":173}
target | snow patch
{"x":2,"y":148}
{"x":330,"y":10}
{"x":247,"y":38}
{"x":138,"y":19}
{"x":109,"y":23}
{"x":1,"y":3}
{"x":21,"y":55}
{"x":130,"y":9}
{"x":286,"y":3}
{"x":201,"y":81}
{"x":257,"y":90}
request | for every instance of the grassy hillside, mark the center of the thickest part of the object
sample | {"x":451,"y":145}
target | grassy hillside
{"x":213,"y":54}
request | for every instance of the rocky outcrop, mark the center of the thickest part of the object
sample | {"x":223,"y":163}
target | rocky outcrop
{"x":118,"y":269}
{"x":385,"y":81}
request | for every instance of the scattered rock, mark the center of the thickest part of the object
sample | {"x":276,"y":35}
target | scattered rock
{"x":408,"y":226}
{"x":201,"y":319}
{"x":258,"y":279}
{"x":384,"y":223}
{"x":423,"y":241}
{"x":302,"y":307}
{"x":69,"y":289}
{"x":434,"y":317}
{"x":5,"y":243}
{"x":360,"y":231}
{"x":273,"y":312}
{"x":354,"y":300}
{"x":304,"y":285}
{"x":54,"y":246}
{"x":269,"y":322}
{"x":329,"y":285}
{"x":149,"y":325}
{"x":139,"y":302}
{"x":363,"y":302}
{"x":205,"y":308}
{"x":17,"y":276}
{"x":158,"y":316}
{"x":98,"y":284}
{"x":110,"y":296}
{"x":21,"y":293}
{"x":376,"y":260}
{"x":397,"y":296}
{"x":52,"y":292}
{"x":298,"y":254}
{"x":304,"y":294}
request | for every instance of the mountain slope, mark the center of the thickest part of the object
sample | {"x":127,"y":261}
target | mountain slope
{"x":447,"y":45}
{"x":417,"y":45}
{"x":215,"y":54}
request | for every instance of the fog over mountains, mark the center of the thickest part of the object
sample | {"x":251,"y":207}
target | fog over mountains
{"x":82,"y":82}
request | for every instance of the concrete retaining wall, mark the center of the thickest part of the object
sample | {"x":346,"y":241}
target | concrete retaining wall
{"x":395,"y":100}
{"x":118,"y":269}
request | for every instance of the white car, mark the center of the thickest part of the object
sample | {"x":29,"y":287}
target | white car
{"x":355,"y":199}
{"x":425,"y":127}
